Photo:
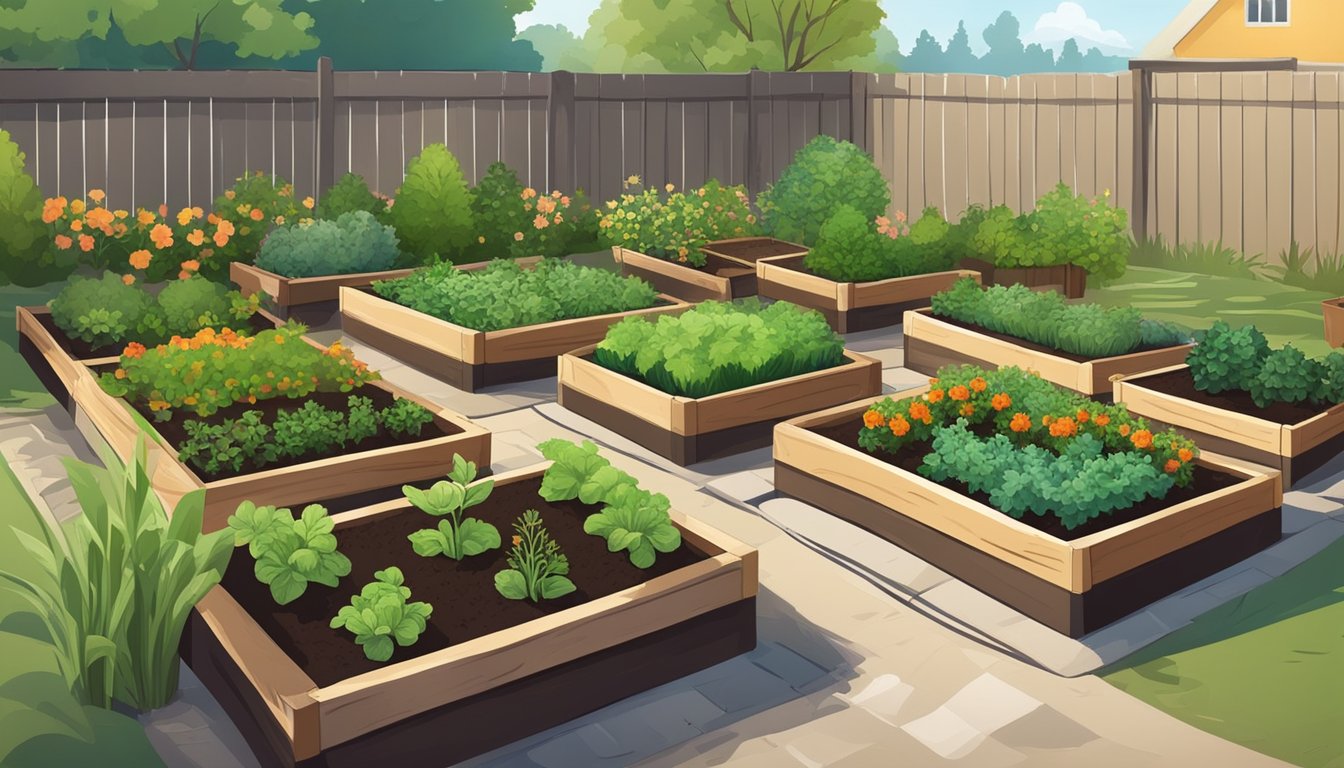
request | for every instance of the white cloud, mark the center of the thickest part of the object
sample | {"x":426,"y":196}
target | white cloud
{"x":1071,"y":20}
{"x":570,"y":13}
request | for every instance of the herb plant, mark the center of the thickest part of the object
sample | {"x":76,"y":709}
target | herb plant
{"x":853,"y":248}
{"x":504,"y":295}
{"x":537,"y":570}
{"x":1287,"y":376}
{"x":632,"y":519}
{"x":290,"y":553}
{"x":379,"y":614}
{"x":455,"y":536}
{"x":676,"y":225}
{"x":719,"y":347}
{"x":1063,"y":229}
{"x":1227,"y":359}
{"x":824,"y":175}
{"x":432,"y":212}
{"x":354,"y":242}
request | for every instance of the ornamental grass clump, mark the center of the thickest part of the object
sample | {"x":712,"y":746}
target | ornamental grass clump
{"x":1046,"y":318}
{"x":1031,"y":447}
{"x":1230,"y":360}
{"x":720,"y":347}
{"x":505,"y":295}
{"x":676,"y":225}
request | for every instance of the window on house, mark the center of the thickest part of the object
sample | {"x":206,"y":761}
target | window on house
{"x":1266,"y":12}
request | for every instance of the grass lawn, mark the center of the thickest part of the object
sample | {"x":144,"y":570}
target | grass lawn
{"x":1265,"y":671}
{"x":19,"y":387}
{"x":1283,"y":312}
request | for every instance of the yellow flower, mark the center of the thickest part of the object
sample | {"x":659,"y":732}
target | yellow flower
{"x":633,"y":180}
{"x":76,"y":206}
{"x":120,"y":214}
{"x":611,"y":204}
{"x":670,"y":186}
{"x":308,"y":203}
{"x":183,"y":217}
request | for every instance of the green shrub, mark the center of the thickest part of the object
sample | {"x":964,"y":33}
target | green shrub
{"x":1227,"y":359}
{"x":106,"y":311}
{"x":354,"y":242}
{"x":677,"y":225}
{"x":1287,"y":376}
{"x":1332,"y":375}
{"x":349,"y":194}
{"x":256,"y":203}
{"x":1063,"y":229}
{"x":496,"y":205}
{"x":195,"y":303}
{"x":432,"y":212}
{"x":504,"y":295}
{"x":850,"y":248}
{"x":824,"y":175}
{"x":719,"y":347}
{"x":25,"y":256}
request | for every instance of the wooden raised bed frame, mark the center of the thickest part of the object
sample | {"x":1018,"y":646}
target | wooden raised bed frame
{"x":931,"y":343}
{"x":1332,"y":312}
{"x":689,"y":430}
{"x":1074,"y":587}
{"x":721,"y":280}
{"x":310,"y":299}
{"x":470,"y":359}
{"x":478,"y":695}
{"x":1295,"y":450}
{"x":1068,"y":279}
{"x":850,"y":307}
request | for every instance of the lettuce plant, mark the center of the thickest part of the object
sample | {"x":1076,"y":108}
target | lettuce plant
{"x":1287,"y":376}
{"x":537,"y":570}
{"x":290,"y":553}
{"x":454,"y":536}
{"x":106,"y":311}
{"x":823,"y":175}
{"x":354,"y":242}
{"x":379,"y":615}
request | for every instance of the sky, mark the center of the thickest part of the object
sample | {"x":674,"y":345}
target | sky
{"x":1115,"y":27}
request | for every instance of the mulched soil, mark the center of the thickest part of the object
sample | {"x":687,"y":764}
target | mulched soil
{"x":1205,"y":481}
{"x":82,"y":350}
{"x":1028,"y":344}
{"x":462,"y":594}
{"x":755,"y":249}
{"x":1181,"y":384}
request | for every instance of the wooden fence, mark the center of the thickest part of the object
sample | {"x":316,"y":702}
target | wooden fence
{"x":1248,"y":158}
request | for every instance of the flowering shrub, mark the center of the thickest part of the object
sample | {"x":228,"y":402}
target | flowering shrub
{"x":212,"y":370}
{"x":432,"y":213}
{"x":1047,"y":450}
{"x":1063,"y":229}
{"x":351,"y":193}
{"x":25,"y":258}
{"x":854,"y":248}
{"x":108,"y":310}
{"x":676,"y":225}
{"x":245,"y":214}
{"x":1242,"y":360}
{"x":824,"y":175}
{"x":355,"y":242}
{"x":515,"y":221}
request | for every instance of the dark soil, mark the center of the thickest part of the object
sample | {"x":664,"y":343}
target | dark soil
{"x":1181,"y":384}
{"x":1031,"y":345}
{"x":462,"y":594}
{"x":82,"y":350}
{"x":1205,"y":481}
{"x":754,"y":249}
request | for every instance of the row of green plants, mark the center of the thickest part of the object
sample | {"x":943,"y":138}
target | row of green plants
{"x":1242,"y":360}
{"x":1046,"y":318}
{"x":292,"y":553}
{"x":1032,"y":447}
{"x":719,"y":347}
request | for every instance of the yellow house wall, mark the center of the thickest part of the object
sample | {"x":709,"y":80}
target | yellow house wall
{"x":1315,"y":33}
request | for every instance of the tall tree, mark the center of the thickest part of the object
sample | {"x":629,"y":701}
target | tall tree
{"x":1070,"y":58}
{"x":1036,"y":59}
{"x":926,"y":56}
{"x":1006,"y":52}
{"x":959,"y":57}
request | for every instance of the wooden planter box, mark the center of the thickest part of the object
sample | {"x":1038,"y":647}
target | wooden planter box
{"x":1074,"y":587}
{"x":720,"y":280}
{"x":931,"y":343}
{"x":1332,"y":310}
{"x":340,"y":482}
{"x":850,"y":307}
{"x":689,"y":430}
{"x":470,"y":359}
{"x":312,"y":300}
{"x":1068,"y":279}
{"x":481,"y":694}
{"x":1295,"y":450}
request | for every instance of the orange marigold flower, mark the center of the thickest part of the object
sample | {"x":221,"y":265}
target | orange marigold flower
{"x":121,"y":214}
{"x":1045,"y":420}
{"x":1064,"y":427}
{"x":308,"y":203}
{"x":1083,"y":416}
{"x":935,"y":396}
{"x":933,"y":382}
{"x":141,"y":258}
{"x":978,"y":384}
{"x":967,"y":410}
{"x":144,"y":218}
{"x":63,"y":242}
{"x":1001,"y":401}
{"x":183,"y":275}
{"x":257,"y":214}
{"x":959,"y":393}
{"x":77,"y":206}
{"x":161,"y":235}
{"x":1172,"y":466}
{"x":1021,"y":422}
{"x":197,"y":237}
{"x":76,"y":225}
{"x":225,"y":226}
{"x":541,"y":222}
{"x":134,"y":350}
{"x":128,"y":279}
{"x":52,"y":209}
{"x":873,"y":419}
{"x":191,"y":265}
{"x":1142,"y":439}
{"x":1124,"y":430}
{"x":184,"y":217}
{"x":518,"y":236}
{"x":99,"y":218}
{"x":899,"y":426}
{"x":1101,"y":420}
{"x":517,"y":540}
{"x":97,"y":195}
{"x":120,"y":373}
{"x":85,"y":243}
{"x":920,"y":412}
{"x":1186,"y":455}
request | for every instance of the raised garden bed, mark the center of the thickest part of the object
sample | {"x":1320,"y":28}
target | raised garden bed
{"x":1074,"y":581}
{"x":312,"y":300}
{"x":487,"y":671}
{"x":851,"y":307}
{"x":729,"y":271}
{"x":932,"y":342}
{"x":689,"y":430}
{"x":1293,"y":439}
{"x":1332,"y":311}
{"x":1068,"y":279}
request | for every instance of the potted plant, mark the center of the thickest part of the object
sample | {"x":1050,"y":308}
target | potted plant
{"x":1332,"y":312}
{"x":1072,"y":512}
{"x":498,"y":323}
{"x":864,"y":273}
{"x":660,"y":238}
{"x":272,"y":416}
{"x":583,"y":588}
{"x":1077,"y":346}
{"x":1275,"y":407}
{"x":713,"y":381}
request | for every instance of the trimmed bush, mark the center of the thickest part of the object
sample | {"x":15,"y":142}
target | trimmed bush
{"x":850,"y":248}
{"x":355,"y":242}
{"x":1063,"y":229}
{"x":824,"y":175}
{"x":25,"y":258}
{"x":351,"y":194}
{"x":432,"y":212}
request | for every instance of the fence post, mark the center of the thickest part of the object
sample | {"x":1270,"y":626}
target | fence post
{"x":326,"y":126}
{"x":858,"y":110}
{"x":758,"y":119}
{"x":560,"y":114}
{"x":1143,"y":147}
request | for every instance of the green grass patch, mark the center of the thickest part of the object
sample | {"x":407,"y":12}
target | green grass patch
{"x":19,"y":386}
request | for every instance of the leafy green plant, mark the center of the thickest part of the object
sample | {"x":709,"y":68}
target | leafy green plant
{"x":496,"y":210}
{"x":1227,"y":359}
{"x":1287,"y":376}
{"x":354,"y":242}
{"x":676,"y":225}
{"x":106,"y":311}
{"x":432,"y":212}
{"x":351,"y":193}
{"x":290,"y":553}
{"x":851,"y":248}
{"x":537,"y":570}
{"x":195,"y":303}
{"x":719,"y":347}
{"x":1332,"y":377}
{"x":632,"y":520}
{"x":25,"y":258}
{"x":824,"y":175}
{"x":504,"y":295}
{"x":379,"y":614}
{"x":117,"y":582}
{"x":1063,"y":229}
{"x":455,"y":536}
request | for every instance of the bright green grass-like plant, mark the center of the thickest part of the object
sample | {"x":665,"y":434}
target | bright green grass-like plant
{"x":1201,"y":258}
{"x":118,"y":582}
{"x":719,"y":347}
{"x":504,"y":295}
{"x":380,"y":614}
{"x":455,"y":536}
{"x":290,"y":553}
{"x":537,"y":570}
